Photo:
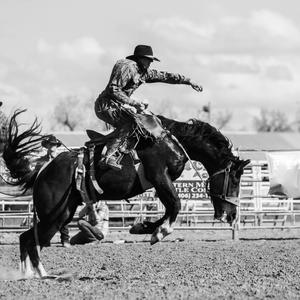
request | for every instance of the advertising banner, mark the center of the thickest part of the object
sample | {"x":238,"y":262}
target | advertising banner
{"x":284,"y":173}
{"x":189,"y":185}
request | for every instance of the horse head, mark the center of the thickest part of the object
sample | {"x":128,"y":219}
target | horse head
{"x":206,"y":144}
{"x":224,"y":189}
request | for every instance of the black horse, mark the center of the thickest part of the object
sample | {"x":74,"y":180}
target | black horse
{"x":56,"y":197}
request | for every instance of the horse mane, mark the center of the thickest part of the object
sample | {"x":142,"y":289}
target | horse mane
{"x":212,"y":134}
{"x":18,"y":148}
{"x":195,"y":129}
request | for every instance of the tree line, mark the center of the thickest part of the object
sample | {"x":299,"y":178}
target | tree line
{"x":72,"y":114}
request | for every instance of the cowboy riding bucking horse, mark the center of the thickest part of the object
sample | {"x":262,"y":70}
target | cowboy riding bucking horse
{"x":114,"y":105}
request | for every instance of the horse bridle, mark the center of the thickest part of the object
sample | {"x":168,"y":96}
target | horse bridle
{"x":232,"y":200}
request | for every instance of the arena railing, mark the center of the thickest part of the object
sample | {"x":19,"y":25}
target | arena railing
{"x":257,"y":209}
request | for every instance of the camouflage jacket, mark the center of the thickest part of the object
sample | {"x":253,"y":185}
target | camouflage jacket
{"x":126,"y":77}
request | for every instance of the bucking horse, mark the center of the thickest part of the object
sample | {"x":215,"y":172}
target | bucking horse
{"x":162,"y":160}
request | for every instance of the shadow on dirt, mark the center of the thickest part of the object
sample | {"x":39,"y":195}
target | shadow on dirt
{"x":270,"y":239}
{"x":102,"y":278}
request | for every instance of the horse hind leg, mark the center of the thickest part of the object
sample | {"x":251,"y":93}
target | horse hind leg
{"x":38,"y":267}
{"x":41,"y":236}
{"x":30,"y":265}
{"x":43,"y":233}
{"x":25,"y":264}
{"x":34,"y":254}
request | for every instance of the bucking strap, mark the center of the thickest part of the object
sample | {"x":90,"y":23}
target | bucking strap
{"x":80,"y":172}
{"x":80,"y":177}
{"x":92,"y":170}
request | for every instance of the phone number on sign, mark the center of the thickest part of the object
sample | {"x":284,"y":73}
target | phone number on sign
{"x":192,"y":195}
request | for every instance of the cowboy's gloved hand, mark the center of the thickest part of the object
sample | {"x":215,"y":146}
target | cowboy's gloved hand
{"x":195,"y":86}
{"x":139,"y":106}
{"x":130,"y":107}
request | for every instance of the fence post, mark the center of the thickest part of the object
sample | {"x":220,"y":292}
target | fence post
{"x":29,"y":213}
{"x":293,"y":216}
{"x":236,"y":223}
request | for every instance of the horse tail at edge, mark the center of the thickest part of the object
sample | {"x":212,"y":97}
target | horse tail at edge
{"x":18,"y":148}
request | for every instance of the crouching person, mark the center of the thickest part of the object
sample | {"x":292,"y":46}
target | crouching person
{"x":92,"y":223}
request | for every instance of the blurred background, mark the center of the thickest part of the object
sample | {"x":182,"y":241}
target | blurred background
{"x":57,"y":56}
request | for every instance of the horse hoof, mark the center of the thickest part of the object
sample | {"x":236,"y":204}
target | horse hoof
{"x":159,"y":234}
{"x":155,"y":238}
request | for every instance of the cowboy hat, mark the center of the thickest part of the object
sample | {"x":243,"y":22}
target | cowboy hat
{"x":50,"y":140}
{"x":143,"y":51}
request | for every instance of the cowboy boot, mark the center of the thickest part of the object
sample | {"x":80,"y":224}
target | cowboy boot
{"x":112,"y":154}
{"x":113,"y":148}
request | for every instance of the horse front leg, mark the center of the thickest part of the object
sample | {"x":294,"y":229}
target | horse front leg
{"x":168,"y":196}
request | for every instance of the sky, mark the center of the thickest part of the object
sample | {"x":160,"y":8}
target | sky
{"x":245,"y":54}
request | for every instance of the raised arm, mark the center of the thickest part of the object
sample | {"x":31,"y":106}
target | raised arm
{"x":172,"y":78}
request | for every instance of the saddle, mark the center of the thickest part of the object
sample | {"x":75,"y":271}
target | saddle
{"x":149,"y":124}
{"x":96,"y":138}
{"x":146,"y":125}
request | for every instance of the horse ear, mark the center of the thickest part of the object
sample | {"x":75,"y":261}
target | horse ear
{"x":244,"y":163}
{"x":192,"y":121}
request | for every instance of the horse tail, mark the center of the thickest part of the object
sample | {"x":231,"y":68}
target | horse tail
{"x":18,"y":148}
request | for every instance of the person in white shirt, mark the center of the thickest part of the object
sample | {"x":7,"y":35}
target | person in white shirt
{"x":92,"y":223}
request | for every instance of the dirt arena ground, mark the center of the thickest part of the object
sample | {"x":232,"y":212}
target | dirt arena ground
{"x":187,"y":265}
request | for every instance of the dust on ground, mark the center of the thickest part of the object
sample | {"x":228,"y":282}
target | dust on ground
{"x":187,"y":265}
